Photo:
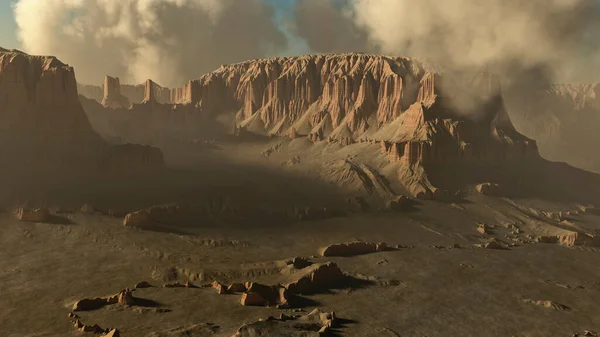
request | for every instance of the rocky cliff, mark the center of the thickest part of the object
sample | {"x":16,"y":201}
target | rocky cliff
{"x":418,"y":115}
{"x":43,"y":123}
{"x":355,"y":97}
{"x":128,"y":93}
{"x":564,"y":118}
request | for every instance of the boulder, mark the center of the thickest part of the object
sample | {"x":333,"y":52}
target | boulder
{"x":489,"y":189}
{"x":36,"y":215}
{"x":253,"y":299}
{"x":263,"y":295}
{"x":139,"y":219}
{"x":87,"y":304}
{"x":143,"y":284}
{"x":316,"y":278}
{"x":300,"y":262}
{"x":112,"y":333}
{"x":221,"y":289}
{"x":126,"y":297}
{"x":483,"y":229}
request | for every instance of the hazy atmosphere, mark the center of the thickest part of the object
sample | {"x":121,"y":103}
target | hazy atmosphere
{"x":173,"y":41}
{"x":299,"y":168}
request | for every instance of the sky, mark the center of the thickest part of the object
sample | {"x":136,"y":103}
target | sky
{"x":172,"y":41}
{"x":8,"y":27}
{"x":9,"y":40}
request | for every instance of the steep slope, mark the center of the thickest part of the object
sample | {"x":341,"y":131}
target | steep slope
{"x":43,"y":123}
{"x":419,"y":115}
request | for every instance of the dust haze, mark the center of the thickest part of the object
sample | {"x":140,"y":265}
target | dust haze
{"x":169,"y":41}
{"x":320,"y":195}
{"x":463,"y":33}
{"x":174,"y":41}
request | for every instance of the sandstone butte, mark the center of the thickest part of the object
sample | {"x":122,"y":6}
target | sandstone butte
{"x":418,"y":115}
{"x":44,"y":125}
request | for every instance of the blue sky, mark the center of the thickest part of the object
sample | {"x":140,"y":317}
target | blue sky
{"x":8,"y":35}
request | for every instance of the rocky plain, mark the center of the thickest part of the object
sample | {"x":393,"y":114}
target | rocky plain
{"x":322,"y":195}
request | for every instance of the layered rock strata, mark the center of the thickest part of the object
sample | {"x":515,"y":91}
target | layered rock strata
{"x":131,"y":93}
{"x":112,"y":93}
{"x":418,"y":116}
{"x":42,"y":121}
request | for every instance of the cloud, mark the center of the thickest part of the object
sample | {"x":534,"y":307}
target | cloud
{"x":329,"y":26}
{"x":170,"y":41}
{"x":499,"y":34}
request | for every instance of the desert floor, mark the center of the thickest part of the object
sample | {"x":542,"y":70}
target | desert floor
{"x":439,"y":284}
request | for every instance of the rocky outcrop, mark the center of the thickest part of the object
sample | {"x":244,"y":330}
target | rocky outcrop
{"x":354,"y":248}
{"x":124,"y":297}
{"x":149,"y":93}
{"x":298,"y":277}
{"x":316,"y":278}
{"x":96,"y":329}
{"x":316,"y":323}
{"x":158,"y":214}
{"x":489,"y":189}
{"x":263,"y":295}
{"x":129,"y":93}
{"x":112,"y":94}
{"x":42,"y":123}
{"x":36,"y":215}
{"x":138,"y":219}
{"x":546,"y":304}
{"x":41,"y":119}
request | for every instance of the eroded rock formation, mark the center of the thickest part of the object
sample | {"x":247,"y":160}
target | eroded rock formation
{"x":112,"y":94}
{"x":131,"y":93}
{"x":43,"y":125}
{"x":354,"y":248}
{"x":36,"y":215}
{"x":419,"y":116}
{"x":315,"y":323}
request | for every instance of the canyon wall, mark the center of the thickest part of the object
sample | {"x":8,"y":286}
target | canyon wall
{"x":94,"y":92}
{"x":43,"y":124}
{"x":131,"y":93}
{"x":417,"y":114}
{"x":564,"y":118}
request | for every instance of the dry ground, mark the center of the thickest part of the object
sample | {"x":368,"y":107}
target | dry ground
{"x":427,"y":289}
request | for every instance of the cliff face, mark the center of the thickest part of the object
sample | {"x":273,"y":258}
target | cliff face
{"x":418,"y":115}
{"x":353,"y":97}
{"x":43,"y":123}
{"x":39,"y":104}
{"x":564,"y":118}
{"x":112,"y":97}
{"x":128,"y":93}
